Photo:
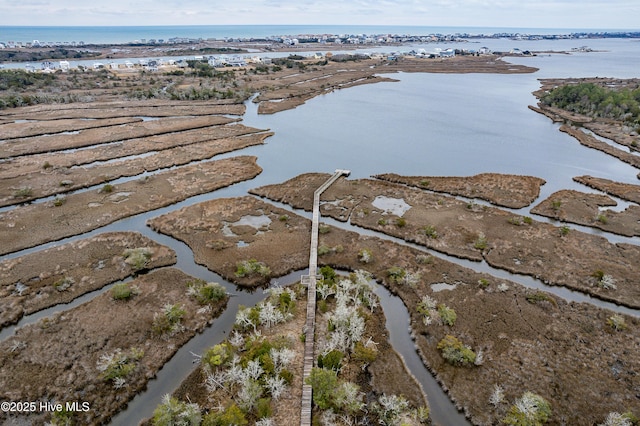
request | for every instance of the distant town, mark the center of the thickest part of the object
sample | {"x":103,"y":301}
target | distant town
{"x":332,"y":39}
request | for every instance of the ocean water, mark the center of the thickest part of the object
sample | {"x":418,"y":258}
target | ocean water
{"x":127,"y":34}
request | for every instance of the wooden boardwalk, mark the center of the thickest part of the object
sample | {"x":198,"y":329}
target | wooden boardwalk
{"x":310,"y":282}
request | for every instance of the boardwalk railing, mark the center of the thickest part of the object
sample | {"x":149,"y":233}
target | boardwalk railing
{"x":310,"y":282}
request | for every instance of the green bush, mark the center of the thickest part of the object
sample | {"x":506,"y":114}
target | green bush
{"x":363,"y":354}
{"x":456,"y":353}
{"x":206,"y":293}
{"x":137,"y":258}
{"x":24,"y":192}
{"x":481,"y":242}
{"x":174,"y":412}
{"x":430,"y":231}
{"x":396,"y":274}
{"x":168,"y":320}
{"x":63,"y":283}
{"x":250,"y":267}
{"x":124,"y":291}
{"x":331,"y":361}
{"x":107,"y":188}
{"x":447,"y":315}
{"x":231,"y":416}
{"x":324,"y":383}
{"x":529,"y":410}
{"x":119,"y":364}
{"x":217,"y":355}
{"x":617,"y":322}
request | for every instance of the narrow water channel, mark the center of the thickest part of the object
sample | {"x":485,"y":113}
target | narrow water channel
{"x":277,"y":168}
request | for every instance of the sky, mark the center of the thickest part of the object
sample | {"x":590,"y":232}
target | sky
{"x":579,"y":14}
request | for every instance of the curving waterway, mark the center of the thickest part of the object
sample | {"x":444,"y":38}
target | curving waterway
{"x":425,"y":124}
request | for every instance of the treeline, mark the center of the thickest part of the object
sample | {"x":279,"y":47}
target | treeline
{"x":594,"y":100}
{"x":42,"y":55}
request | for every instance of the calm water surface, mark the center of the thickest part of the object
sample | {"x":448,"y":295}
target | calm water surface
{"x":423,"y":124}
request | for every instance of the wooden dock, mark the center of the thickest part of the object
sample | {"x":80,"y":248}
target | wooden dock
{"x":310,"y":282}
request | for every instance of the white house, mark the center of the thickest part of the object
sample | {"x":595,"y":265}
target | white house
{"x":447,"y":53}
{"x":64,"y":65}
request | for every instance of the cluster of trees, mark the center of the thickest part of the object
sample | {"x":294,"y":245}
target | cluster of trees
{"x":37,"y":56}
{"x":245,"y":374}
{"x":20,"y":79}
{"x":597,"y":101}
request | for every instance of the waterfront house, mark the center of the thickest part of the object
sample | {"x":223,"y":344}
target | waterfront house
{"x":64,"y":66}
{"x":447,"y":53}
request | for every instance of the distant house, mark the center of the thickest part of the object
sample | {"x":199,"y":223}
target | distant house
{"x":447,"y":53}
{"x":484,"y":51}
{"x":516,"y":51}
{"x":64,"y":65}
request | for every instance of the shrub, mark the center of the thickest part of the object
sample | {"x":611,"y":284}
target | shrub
{"x":324,"y":383}
{"x":206,"y":293}
{"x":401,"y":222}
{"x":323,"y":249}
{"x":529,"y":410}
{"x":47,"y":165}
{"x":174,"y":412}
{"x":168,"y":321}
{"x":231,"y":416}
{"x":515,"y":220}
{"x":617,"y":322}
{"x":481,"y":242}
{"x":24,"y":192}
{"x":430,"y":231}
{"x":364,"y":354}
{"x":63,"y":283}
{"x":118,"y":364}
{"x":124,"y":291}
{"x":263,"y":408}
{"x":602,"y":219}
{"x":107,"y":188}
{"x":59,"y":201}
{"x":250,"y":267}
{"x":331,"y":361}
{"x":447,"y":315}
{"x":137,"y":258}
{"x":556,"y":204}
{"x":217,"y":355}
{"x":382,"y":222}
{"x":396,"y":274}
{"x":564,"y":230}
{"x":426,"y":308}
{"x":365,"y":256}
{"x":455,"y":353}
{"x":323,"y":229}
{"x":528,"y":220}
{"x":540,"y":296}
{"x":329,"y":274}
